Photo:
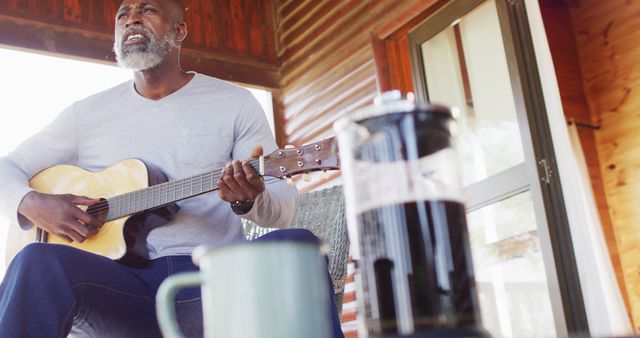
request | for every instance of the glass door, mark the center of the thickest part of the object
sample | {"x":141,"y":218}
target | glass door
{"x":460,"y":60}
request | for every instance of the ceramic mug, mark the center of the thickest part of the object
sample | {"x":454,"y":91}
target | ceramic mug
{"x":250,"y":290}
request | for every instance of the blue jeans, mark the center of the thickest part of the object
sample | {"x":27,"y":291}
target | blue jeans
{"x":52,"y":290}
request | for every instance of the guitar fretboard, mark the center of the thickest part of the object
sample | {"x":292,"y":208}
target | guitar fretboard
{"x":163,"y":194}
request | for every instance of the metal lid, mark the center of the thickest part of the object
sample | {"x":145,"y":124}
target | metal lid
{"x":391,"y":102}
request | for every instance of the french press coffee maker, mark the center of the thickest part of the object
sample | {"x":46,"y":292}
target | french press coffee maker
{"x":406,"y":220}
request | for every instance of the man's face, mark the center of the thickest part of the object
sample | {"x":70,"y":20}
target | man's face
{"x":145,"y":33}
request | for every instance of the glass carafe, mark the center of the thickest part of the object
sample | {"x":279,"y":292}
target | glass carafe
{"x":406,"y":220}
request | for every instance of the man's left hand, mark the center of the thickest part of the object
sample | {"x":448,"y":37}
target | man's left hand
{"x":239,"y":182}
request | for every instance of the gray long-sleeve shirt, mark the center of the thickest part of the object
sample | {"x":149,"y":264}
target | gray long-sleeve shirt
{"x":194,"y":130}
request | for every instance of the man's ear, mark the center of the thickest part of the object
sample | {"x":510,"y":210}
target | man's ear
{"x":181,"y":31}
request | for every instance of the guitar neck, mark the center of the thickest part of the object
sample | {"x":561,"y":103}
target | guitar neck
{"x":169,"y":192}
{"x":281,"y":163}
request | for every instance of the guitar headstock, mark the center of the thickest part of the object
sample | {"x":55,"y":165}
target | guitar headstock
{"x":287,"y":162}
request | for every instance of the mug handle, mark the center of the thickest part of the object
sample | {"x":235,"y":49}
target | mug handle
{"x":165,"y":309}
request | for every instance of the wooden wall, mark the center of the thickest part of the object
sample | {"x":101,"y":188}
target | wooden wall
{"x":562,"y":42}
{"x":608,"y":45}
{"x":328,"y":63}
{"x":231,"y":39}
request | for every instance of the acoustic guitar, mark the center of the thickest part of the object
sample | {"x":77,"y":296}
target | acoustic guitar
{"x":135,"y":197}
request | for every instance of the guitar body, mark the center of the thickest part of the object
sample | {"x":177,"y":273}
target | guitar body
{"x":121,"y":239}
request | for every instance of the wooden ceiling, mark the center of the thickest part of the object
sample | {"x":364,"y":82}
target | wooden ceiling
{"x":230,"y":39}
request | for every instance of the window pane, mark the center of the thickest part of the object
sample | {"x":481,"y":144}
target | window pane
{"x":465,"y":67}
{"x":510,"y":275}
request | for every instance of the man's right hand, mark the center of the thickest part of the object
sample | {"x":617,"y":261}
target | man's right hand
{"x":60,"y":215}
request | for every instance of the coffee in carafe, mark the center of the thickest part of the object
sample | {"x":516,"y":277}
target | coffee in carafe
{"x":406,"y":220}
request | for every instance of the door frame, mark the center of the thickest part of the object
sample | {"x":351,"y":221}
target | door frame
{"x":546,"y":191}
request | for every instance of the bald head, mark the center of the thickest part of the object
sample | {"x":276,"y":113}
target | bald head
{"x":176,"y":9}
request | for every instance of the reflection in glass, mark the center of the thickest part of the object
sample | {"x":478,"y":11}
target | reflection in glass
{"x":509,"y":270}
{"x":466,"y":68}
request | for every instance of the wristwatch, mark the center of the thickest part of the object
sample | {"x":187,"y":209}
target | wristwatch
{"x":241,"y":207}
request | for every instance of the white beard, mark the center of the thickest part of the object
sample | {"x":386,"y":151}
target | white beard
{"x":146,"y":56}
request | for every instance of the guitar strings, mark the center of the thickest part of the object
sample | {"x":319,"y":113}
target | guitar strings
{"x":136,"y":196}
{"x":178,"y":186}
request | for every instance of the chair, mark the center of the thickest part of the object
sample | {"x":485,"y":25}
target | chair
{"x":321,"y":212}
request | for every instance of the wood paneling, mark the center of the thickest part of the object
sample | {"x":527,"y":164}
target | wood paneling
{"x":233,"y":40}
{"x":328,"y":67}
{"x":562,"y":42}
{"x":608,"y":44}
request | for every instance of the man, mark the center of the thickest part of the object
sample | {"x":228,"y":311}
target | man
{"x":181,"y":122}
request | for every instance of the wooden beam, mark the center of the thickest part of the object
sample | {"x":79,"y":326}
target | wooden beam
{"x":34,"y":35}
{"x":97,"y":46}
{"x":260,"y":74}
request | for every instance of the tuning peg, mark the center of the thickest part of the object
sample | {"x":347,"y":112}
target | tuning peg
{"x":290,"y":182}
{"x":306,"y":177}
{"x":325,"y":175}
